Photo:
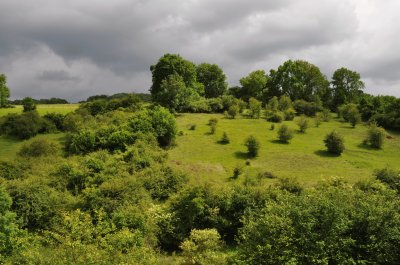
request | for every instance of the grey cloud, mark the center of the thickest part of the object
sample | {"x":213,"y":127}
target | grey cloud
{"x":57,"y":76}
{"x":76,"y":48}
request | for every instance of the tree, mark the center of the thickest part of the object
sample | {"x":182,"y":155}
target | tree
{"x":28,"y":104}
{"x":253,"y":85}
{"x":174,"y":82}
{"x":4,"y":91}
{"x":285,"y":134}
{"x":175,"y":95}
{"x":347,"y":87}
{"x":253,"y":145}
{"x":334,"y":143}
{"x":299,"y":80}
{"x":255,"y":108}
{"x":213,"y":79}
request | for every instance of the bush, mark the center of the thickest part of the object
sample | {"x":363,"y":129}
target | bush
{"x":390,"y":177}
{"x":202,"y":247}
{"x":237,"y":171}
{"x":272,"y":127}
{"x":274,"y":116}
{"x":38,"y":147}
{"x":28,"y":104}
{"x":213,"y":125}
{"x":22,"y":126}
{"x":233,"y":111}
{"x":289,"y":114}
{"x":285,"y":103}
{"x":57,"y":119}
{"x":253,"y":145}
{"x":255,"y":108}
{"x":82,"y":142}
{"x":326,"y":115}
{"x":334,"y":143}
{"x":376,"y":136}
{"x":285,"y":134}
{"x":192,"y":127}
{"x":225,"y":139}
{"x":303,"y":124}
{"x":306,"y":108}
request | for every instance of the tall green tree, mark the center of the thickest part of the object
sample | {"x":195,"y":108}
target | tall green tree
{"x":171,"y":64}
{"x":4,"y":91}
{"x":253,"y":85}
{"x":213,"y":79}
{"x":299,"y":80}
{"x":347,"y":87}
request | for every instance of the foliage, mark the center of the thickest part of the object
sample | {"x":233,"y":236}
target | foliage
{"x":376,"y":136}
{"x":331,"y":223}
{"x":390,"y":177}
{"x":38,"y":147}
{"x":285,"y":134}
{"x":4,"y":92}
{"x":285,"y":103}
{"x":306,"y":108}
{"x":28,"y":104}
{"x":334,"y":143}
{"x":213,"y":79}
{"x":253,"y":146}
{"x":299,"y":80}
{"x":289,"y":114}
{"x":202,"y":247}
{"x":347,"y":87}
{"x":253,"y":85}
{"x":303,"y":124}
{"x":255,"y":108}
{"x":22,"y":126}
{"x":233,"y":111}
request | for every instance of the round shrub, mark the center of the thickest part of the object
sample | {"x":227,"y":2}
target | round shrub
{"x":376,"y":136}
{"x":274,"y":117}
{"x":334,"y":143}
{"x":253,"y":145}
{"x":285,"y":134}
{"x":289,"y":114}
{"x":38,"y":147}
{"x":303,"y":124}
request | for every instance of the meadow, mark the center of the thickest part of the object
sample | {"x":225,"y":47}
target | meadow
{"x":199,"y":153}
{"x":43,"y":109}
{"x":9,"y":147}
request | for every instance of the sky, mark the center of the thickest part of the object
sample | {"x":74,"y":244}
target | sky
{"x":74,"y":49}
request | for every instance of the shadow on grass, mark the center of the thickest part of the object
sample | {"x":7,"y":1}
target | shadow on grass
{"x":241,"y":155}
{"x":347,"y":127}
{"x":276,"y":141}
{"x":367,"y":147}
{"x":222,"y":142}
{"x":324,"y":153}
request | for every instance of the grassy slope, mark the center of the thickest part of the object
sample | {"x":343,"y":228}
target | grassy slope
{"x":200,"y":154}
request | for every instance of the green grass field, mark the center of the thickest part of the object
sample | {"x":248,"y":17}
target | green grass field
{"x":199,"y":153}
{"x":9,"y":147}
{"x":43,"y":109}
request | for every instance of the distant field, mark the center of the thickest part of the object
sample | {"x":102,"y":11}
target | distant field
{"x":43,"y":109}
{"x":199,"y":153}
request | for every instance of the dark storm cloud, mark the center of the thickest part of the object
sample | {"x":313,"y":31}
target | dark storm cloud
{"x":74,"y":49}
